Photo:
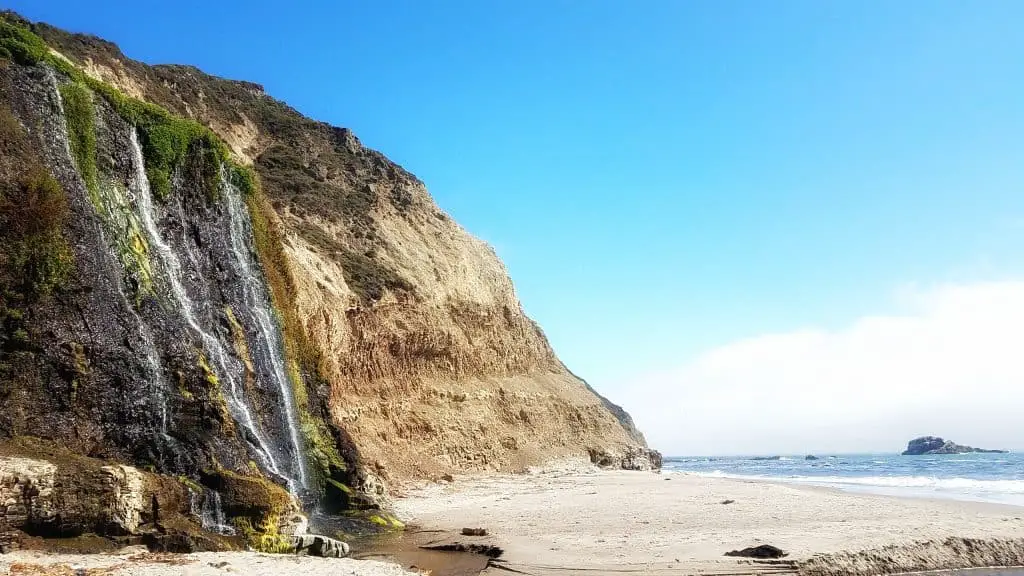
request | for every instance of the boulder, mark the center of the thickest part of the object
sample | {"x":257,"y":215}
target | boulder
{"x":811,"y":457}
{"x":935,"y":445}
{"x":314,"y":545}
{"x":629,"y":458}
{"x":762,"y":551}
{"x":9,"y":542}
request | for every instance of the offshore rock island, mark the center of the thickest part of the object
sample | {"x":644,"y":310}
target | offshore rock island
{"x":935,"y":445}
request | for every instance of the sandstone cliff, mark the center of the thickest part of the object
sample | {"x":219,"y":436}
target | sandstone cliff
{"x":139,"y":288}
{"x":429,"y":362}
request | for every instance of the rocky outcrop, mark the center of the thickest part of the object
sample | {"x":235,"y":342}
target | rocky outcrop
{"x":936,"y":445}
{"x":47,"y":491}
{"x":632,"y":458}
{"x":313,"y":545}
{"x":26,"y":492}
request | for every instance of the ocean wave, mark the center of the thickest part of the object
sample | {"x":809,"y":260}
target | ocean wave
{"x":966,"y":485}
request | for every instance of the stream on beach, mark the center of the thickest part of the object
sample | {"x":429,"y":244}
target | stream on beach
{"x":405,"y":548}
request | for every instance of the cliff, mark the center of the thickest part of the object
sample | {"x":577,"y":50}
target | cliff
{"x":197,"y":280}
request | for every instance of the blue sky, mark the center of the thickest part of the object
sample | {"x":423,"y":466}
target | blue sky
{"x":662,"y":178}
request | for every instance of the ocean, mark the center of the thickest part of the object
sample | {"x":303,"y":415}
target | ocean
{"x":997,"y":478}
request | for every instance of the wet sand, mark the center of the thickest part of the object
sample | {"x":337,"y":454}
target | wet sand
{"x":586,"y":521}
{"x":410,"y":550}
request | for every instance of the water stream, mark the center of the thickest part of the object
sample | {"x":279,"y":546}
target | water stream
{"x":224,"y":366}
{"x":258,"y":305}
{"x":154,"y":367}
{"x":206,"y":506}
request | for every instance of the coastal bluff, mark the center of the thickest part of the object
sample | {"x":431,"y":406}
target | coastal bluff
{"x":233,"y":315}
{"x":935,"y":445}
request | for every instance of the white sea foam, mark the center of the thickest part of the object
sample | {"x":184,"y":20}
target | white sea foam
{"x":1003,"y":491}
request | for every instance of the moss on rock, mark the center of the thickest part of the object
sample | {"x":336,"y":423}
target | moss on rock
{"x":81,"y":121}
{"x":256,"y":506}
{"x":166,"y":139}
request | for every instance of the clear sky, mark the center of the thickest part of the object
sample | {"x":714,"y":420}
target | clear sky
{"x":672,"y":183}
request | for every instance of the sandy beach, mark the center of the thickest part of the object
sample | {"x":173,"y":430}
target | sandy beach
{"x":601,"y":522}
{"x":580,"y":520}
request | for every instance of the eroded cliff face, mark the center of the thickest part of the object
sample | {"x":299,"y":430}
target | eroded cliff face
{"x":402,"y":351}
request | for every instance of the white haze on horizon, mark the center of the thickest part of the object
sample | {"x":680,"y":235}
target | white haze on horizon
{"x":951,"y":365}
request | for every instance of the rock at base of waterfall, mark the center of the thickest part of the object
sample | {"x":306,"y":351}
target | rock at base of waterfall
{"x":39,"y":498}
{"x":314,"y":545}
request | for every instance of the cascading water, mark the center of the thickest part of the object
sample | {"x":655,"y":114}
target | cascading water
{"x":153,"y":366}
{"x":213,"y":514}
{"x":208,"y":508}
{"x":258,"y":303}
{"x":118,"y":213}
{"x":225,"y":367}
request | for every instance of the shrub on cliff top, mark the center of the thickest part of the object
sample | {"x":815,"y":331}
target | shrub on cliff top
{"x":22,"y":45}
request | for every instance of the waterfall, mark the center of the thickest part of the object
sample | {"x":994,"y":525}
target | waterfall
{"x":155,"y":369}
{"x":224,"y":366}
{"x":119,"y":213}
{"x":208,"y":508}
{"x":257,"y":302}
{"x":213,"y":515}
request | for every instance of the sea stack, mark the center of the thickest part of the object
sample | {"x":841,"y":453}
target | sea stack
{"x":936,"y":445}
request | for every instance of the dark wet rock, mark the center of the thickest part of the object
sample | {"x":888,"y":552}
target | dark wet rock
{"x":181,"y":543}
{"x":474,"y":532}
{"x":487,"y":550}
{"x":728,"y":501}
{"x":314,"y":545}
{"x":762,"y":551}
{"x":935,"y":445}
{"x":811,"y":457}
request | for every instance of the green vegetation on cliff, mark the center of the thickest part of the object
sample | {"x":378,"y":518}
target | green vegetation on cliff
{"x":81,"y":120}
{"x":166,"y":139}
{"x":303,"y":356}
{"x":35,"y":258}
